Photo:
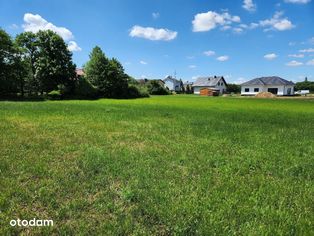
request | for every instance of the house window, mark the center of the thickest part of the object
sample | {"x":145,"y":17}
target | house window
{"x":247,"y":90}
{"x":256,"y":90}
{"x":273,"y":90}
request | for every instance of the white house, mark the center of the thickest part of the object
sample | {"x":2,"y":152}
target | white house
{"x":173,"y":84}
{"x":273,"y":84}
{"x":217,"y":83}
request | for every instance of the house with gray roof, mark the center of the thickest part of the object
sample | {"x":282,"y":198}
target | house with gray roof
{"x":272,"y":84}
{"x":217,"y":83}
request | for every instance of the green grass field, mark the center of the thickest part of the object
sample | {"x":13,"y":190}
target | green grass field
{"x":172,"y":165}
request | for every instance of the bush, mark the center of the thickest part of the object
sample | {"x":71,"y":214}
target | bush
{"x":160,"y":91}
{"x":84,"y":89}
{"x":155,"y":88}
{"x":54,"y":95}
{"x":135,"y":91}
{"x":233,"y":88}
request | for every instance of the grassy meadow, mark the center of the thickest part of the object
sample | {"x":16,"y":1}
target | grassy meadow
{"x":171,"y":165}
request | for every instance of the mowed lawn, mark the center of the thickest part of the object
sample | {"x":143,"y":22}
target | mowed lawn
{"x":172,"y":165}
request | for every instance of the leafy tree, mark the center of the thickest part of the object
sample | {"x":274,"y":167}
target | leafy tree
{"x":8,"y":83}
{"x":305,"y":85}
{"x":107,"y":75}
{"x":233,"y":88}
{"x":54,"y":64}
{"x":182,"y":88}
{"x":116,"y":84}
{"x":27,"y":43}
{"x":189,"y":89}
{"x":96,"y":68}
{"x":21,"y":70}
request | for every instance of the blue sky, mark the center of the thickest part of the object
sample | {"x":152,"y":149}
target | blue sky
{"x":239,"y":39}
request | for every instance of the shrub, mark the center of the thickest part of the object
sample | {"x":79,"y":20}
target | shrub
{"x":54,"y":95}
{"x":155,"y":88}
{"x":84,"y":89}
{"x":233,"y":88}
{"x":135,"y":91}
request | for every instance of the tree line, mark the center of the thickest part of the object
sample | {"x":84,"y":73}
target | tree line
{"x":305,"y":85}
{"x":40,"y":65}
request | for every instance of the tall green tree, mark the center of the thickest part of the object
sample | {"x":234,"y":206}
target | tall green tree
{"x":8,"y":83}
{"x":106,"y":74}
{"x":21,"y":70}
{"x":27,"y":43}
{"x":96,"y":68}
{"x":116,"y":84}
{"x":54,"y":64}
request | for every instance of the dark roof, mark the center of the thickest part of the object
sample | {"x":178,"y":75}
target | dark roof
{"x":208,"y":81}
{"x":272,"y":80}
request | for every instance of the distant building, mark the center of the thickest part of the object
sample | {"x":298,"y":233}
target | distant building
{"x":79,"y":73}
{"x":173,"y":84}
{"x":273,"y":84}
{"x":216,"y":83}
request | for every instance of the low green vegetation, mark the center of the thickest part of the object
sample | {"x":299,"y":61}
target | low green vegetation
{"x":305,"y":85}
{"x":166,"y":165}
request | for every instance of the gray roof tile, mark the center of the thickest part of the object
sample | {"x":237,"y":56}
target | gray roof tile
{"x":207,"y":81}
{"x":272,"y":80}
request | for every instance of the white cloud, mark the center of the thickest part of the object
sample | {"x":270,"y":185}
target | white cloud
{"x":210,"y":20}
{"x":298,"y":1}
{"x":192,"y":66}
{"x":277,"y":23}
{"x":155,"y":15}
{"x":152,"y":33}
{"x":223,"y":58}
{"x":307,"y":50}
{"x":294,"y":63}
{"x":225,"y":27}
{"x":249,"y":5}
{"x":209,"y":53}
{"x":296,"y":55}
{"x":34,"y":23}
{"x":310,"y":63}
{"x":143,"y":62}
{"x":73,"y":47}
{"x":270,"y":56}
{"x":237,"y":30}
{"x":311,"y":40}
{"x":250,"y":26}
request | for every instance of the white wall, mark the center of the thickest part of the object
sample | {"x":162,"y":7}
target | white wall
{"x":282,"y":90}
{"x":222,"y":88}
{"x":171,"y":84}
{"x":197,"y":90}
